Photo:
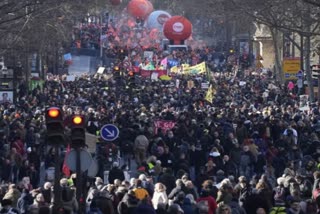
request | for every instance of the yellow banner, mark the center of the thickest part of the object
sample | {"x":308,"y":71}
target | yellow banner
{"x":187,"y":69}
{"x":197,"y":69}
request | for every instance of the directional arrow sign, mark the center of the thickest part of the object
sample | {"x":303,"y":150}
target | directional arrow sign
{"x":109,"y":132}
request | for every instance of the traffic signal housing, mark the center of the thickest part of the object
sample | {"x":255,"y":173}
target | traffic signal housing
{"x":55,"y":127}
{"x":78,"y":131}
{"x":131,"y":79}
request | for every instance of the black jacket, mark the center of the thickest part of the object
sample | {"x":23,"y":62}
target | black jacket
{"x":115,"y":173}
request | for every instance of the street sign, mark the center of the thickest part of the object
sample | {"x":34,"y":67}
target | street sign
{"x":85,"y":162}
{"x":290,"y":67}
{"x":299,"y":74}
{"x":109,"y":132}
{"x":93,"y":169}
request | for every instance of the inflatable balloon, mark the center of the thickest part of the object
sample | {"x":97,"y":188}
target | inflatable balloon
{"x":150,"y":7}
{"x":115,"y":2}
{"x":177,"y":28}
{"x":140,"y":8}
{"x":157,"y":18}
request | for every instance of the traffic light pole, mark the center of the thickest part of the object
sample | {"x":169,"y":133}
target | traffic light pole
{"x":79,"y":181}
{"x":57,"y":188}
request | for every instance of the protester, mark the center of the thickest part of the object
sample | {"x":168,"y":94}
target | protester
{"x":250,"y":148}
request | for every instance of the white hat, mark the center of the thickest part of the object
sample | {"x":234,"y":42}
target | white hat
{"x":98,"y":181}
{"x":115,"y":164}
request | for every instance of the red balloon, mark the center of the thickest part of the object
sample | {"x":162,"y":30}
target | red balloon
{"x":115,"y":2}
{"x":177,"y":28}
{"x":150,"y":7}
{"x":140,"y":8}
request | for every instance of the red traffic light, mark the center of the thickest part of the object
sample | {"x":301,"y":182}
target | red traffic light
{"x":54,"y":124}
{"x":116,"y":68}
{"x":53,"y":112}
{"x":77,"y":120}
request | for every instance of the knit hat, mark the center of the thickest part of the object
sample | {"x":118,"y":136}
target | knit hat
{"x":64,"y":182}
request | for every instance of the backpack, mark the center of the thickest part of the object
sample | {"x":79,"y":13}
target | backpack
{"x":203,"y":206}
{"x":278,"y":210}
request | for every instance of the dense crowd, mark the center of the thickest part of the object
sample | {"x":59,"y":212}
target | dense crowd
{"x":252,"y":150}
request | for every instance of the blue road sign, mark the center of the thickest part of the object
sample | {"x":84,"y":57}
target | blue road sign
{"x":287,"y":75}
{"x":299,"y":74}
{"x":109,"y":132}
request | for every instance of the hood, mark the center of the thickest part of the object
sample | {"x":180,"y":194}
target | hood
{"x":186,"y":201}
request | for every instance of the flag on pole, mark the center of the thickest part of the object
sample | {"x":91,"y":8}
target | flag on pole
{"x":210,"y":94}
{"x":65,"y":168}
{"x":164,"y":62}
{"x":208,"y":73}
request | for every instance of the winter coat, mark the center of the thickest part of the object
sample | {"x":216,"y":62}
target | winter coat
{"x":175,"y":191}
{"x":159,"y":197}
{"x":24,"y":202}
{"x":115,"y":173}
{"x":34,"y":208}
{"x":145,"y":209}
{"x":168,"y":180}
{"x":104,"y":204}
{"x":128,"y":204}
{"x":211,"y":203}
{"x":188,"y":207}
{"x":69,"y":201}
{"x":13,"y":195}
{"x":141,"y":142}
{"x":224,"y":196}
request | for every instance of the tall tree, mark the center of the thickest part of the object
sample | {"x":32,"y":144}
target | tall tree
{"x":284,"y":16}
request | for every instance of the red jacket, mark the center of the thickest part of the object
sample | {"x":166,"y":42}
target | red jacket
{"x":211,"y":203}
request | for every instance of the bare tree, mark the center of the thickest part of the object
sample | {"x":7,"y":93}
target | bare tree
{"x":283,"y":16}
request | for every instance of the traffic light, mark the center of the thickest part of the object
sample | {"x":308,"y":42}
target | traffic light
{"x":245,"y":61}
{"x":54,"y":123}
{"x":131,"y":80}
{"x":78,"y":131}
{"x":122,"y":53}
{"x":116,"y":68}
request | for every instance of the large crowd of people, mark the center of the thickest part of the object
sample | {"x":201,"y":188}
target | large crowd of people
{"x":253,"y":149}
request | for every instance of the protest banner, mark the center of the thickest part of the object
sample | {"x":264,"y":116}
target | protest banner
{"x":164,"y":125}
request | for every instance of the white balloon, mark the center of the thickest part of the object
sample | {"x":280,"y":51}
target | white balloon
{"x":157,"y":18}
